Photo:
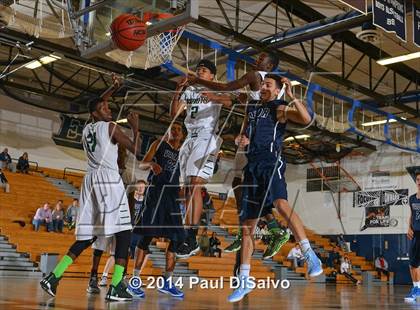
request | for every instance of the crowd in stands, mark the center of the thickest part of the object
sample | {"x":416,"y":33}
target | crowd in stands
{"x":55,"y":220}
{"x":6,"y":163}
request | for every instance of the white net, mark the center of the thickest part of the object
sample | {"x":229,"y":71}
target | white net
{"x":161,"y":46}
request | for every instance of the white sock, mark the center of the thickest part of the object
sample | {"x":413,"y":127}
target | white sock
{"x":136,"y":272}
{"x":305,"y":245}
{"x":416,"y":284}
{"x":105,"y":274}
{"x":244,"y":270}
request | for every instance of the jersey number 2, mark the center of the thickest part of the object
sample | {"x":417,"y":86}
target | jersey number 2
{"x":194,"y":111}
{"x":91,"y":141}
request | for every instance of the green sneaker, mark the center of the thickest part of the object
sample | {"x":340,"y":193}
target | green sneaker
{"x":235,"y":245}
{"x":277,"y":240}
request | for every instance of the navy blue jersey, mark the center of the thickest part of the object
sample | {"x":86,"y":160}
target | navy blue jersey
{"x":138,"y":207}
{"x":414,"y":203}
{"x":167,"y":158}
{"x":264,"y":131}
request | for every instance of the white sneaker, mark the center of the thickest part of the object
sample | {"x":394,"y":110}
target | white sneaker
{"x":104,"y":281}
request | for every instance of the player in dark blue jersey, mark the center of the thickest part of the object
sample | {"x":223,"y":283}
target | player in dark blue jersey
{"x":161,"y":215}
{"x":414,"y":235}
{"x":264,"y":184}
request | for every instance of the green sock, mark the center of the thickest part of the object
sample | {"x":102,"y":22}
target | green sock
{"x":273,"y":226}
{"x":118,"y":274}
{"x":64,"y":263}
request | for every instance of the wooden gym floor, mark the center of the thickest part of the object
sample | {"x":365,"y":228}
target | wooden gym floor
{"x":18,"y":293}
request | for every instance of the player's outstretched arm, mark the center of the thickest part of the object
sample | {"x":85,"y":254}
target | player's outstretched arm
{"x":147,"y":162}
{"x":247,"y":79}
{"x":223,"y":99}
{"x":119,"y":137}
{"x":112,"y":89}
{"x":178,"y":105}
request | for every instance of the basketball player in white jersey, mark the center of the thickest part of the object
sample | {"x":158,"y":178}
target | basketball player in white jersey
{"x":104,"y":210}
{"x":264,"y":64}
{"x":199,"y":151}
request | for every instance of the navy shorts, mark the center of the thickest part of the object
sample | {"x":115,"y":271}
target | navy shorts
{"x":415,"y":250}
{"x":263,"y":183}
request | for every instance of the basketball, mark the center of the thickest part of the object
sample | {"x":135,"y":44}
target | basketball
{"x":128,"y":32}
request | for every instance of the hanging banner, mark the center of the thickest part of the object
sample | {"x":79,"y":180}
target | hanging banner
{"x":358,"y":5}
{"x":390,"y":15}
{"x":416,"y":24}
{"x":391,"y":197}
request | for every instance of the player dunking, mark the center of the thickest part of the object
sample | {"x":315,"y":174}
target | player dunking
{"x":414,"y":235}
{"x":264,"y":64}
{"x":161,"y":216}
{"x":104,"y":208}
{"x":264,"y":184}
{"x":198,"y":153}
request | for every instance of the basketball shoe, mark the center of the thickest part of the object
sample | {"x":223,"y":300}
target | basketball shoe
{"x":170,"y":289}
{"x":50,"y":283}
{"x":314,"y":263}
{"x":188,"y":249}
{"x":243,"y":290}
{"x":93,"y":285}
{"x":118,"y":293}
{"x":413,"y":294}
{"x":277,"y":240}
{"x":104,"y":281}
{"x":236,"y":244}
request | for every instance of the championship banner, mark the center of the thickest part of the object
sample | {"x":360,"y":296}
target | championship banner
{"x":416,"y":23}
{"x":391,"y":197}
{"x":390,"y":15}
{"x":358,"y":5}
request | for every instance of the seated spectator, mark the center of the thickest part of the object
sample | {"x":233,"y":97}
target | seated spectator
{"x":214,"y":245}
{"x":295,"y":256}
{"x":381,"y":266}
{"x":333,"y":258}
{"x":23,"y":164}
{"x":43,"y":216}
{"x":58,"y":217}
{"x":345,"y":268}
{"x":4,"y":183}
{"x":71,"y":214}
{"x":204,"y":243}
{"x":136,"y":199}
{"x":208,"y":209}
{"x":6,"y":161}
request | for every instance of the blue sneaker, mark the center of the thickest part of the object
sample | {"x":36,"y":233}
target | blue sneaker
{"x":412,"y":295}
{"x":134,"y":287}
{"x":243,"y":290}
{"x":314,"y":263}
{"x":170,"y":289}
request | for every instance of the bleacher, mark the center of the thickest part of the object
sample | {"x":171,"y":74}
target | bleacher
{"x":28,"y":192}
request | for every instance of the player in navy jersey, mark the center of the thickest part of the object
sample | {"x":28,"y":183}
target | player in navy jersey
{"x":264,"y":184}
{"x":161,"y":216}
{"x":414,"y":235}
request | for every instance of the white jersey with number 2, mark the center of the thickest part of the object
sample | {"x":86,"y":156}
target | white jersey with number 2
{"x":202,"y":115}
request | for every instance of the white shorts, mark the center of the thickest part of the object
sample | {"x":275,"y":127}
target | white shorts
{"x":198,"y":156}
{"x":240,"y":162}
{"x":105,"y":244}
{"x":104,"y":207}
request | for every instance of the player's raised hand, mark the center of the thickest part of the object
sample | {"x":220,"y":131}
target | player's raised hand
{"x":182,"y":83}
{"x":116,"y":81}
{"x":410,"y":233}
{"x":288,"y":90}
{"x":133,"y":121}
{"x":241,"y":141}
{"x":156,"y":168}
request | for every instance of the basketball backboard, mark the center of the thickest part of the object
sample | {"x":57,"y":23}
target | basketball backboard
{"x":98,"y":23}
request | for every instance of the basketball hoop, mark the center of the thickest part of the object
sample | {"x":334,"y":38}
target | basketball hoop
{"x":161,"y":46}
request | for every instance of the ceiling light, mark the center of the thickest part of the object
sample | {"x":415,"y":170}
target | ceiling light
{"x":33,"y":64}
{"x":47,"y":59}
{"x":381,"y":122}
{"x":297,"y":137}
{"x":392,"y":60}
{"x":122,"y":121}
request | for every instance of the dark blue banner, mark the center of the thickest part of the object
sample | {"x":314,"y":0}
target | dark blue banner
{"x":416,"y":24}
{"x":390,"y":15}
